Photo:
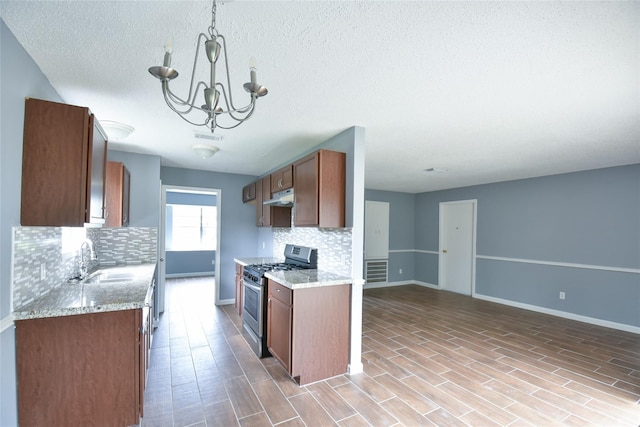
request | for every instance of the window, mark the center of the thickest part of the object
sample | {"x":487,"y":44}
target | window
{"x":191,"y":228}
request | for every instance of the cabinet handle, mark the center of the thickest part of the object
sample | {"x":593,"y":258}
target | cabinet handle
{"x":277,"y":290}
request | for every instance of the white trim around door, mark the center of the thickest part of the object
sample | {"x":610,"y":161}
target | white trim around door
{"x":457,"y":246}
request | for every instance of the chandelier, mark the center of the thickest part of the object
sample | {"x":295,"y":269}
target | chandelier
{"x":214,"y":106}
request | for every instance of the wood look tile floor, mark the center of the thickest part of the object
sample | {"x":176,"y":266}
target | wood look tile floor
{"x":430,"y":358}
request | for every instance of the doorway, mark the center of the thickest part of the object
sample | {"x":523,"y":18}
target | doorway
{"x":456,"y":265}
{"x":168,"y":190}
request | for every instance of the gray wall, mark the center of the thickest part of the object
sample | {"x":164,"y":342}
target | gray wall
{"x":578,"y":233}
{"x":20,"y":78}
{"x":589,"y":218}
{"x":237,"y":235}
{"x":190,"y":263}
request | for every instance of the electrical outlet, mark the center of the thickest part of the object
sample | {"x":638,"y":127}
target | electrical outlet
{"x":263,"y":245}
{"x":562,"y":295}
{"x":43,"y":271}
{"x":213,"y":262}
{"x":400,"y":271}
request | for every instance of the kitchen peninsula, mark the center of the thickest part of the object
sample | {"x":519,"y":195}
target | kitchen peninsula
{"x":83,"y":350}
{"x":306,"y":314}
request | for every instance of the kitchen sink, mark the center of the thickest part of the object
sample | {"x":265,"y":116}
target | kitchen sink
{"x":102,"y":277}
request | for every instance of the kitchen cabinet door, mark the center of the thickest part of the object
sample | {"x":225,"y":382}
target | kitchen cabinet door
{"x":308,"y":330}
{"x":117,"y":195}
{"x":279,"y":323}
{"x":64,"y":158}
{"x":249,"y":193}
{"x":320,"y":180}
{"x":267,"y":215}
{"x":282,"y":179}
{"x":81,"y":370}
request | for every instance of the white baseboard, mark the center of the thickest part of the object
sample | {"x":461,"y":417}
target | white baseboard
{"x":200,"y":274}
{"x":6,"y":323}
{"x":353,"y":369}
{"x":564,"y":314}
{"x":402,"y":283}
{"x":226,"y":301}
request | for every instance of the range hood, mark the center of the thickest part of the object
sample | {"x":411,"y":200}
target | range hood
{"x":281,"y":198}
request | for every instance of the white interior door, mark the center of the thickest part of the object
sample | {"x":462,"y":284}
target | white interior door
{"x":376,"y":235}
{"x":456,"y":270}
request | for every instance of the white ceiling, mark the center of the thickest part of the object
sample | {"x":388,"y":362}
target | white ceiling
{"x":489,"y":91}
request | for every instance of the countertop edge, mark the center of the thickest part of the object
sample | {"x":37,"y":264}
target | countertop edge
{"x":41,"y":313}
{"x":291,"y":279}
{"x":245,"y":261}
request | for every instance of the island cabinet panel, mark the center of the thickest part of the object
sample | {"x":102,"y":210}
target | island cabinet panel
{"x":309,"y":335}
{"x":282,"y":179}
{"x":63,"y":166}
{"x":83,"y":369}
{"x":320,"y":180}
{"x":117,"y":190}
{"x":249,"y":193}
{"x":279,"y":318}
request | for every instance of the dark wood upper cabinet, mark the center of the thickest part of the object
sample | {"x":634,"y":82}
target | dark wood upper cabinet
{"x":282,"y":179}
{"x":320,"y":180}
{"x":63,"y":166}
{"x":249,"y":193}
{"x":267,"y":215}
{"x":118,"y":186}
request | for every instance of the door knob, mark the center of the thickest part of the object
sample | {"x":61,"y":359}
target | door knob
{"x":444,"y":251}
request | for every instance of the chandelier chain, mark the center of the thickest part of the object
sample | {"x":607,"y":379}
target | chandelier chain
{"x":212,"y":29}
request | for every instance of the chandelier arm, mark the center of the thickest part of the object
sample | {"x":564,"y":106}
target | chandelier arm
{"x":191,"y":100}
{"x":226,"y":66}
{"x":179,"y":101}
{"x":242,"y":110}
{"x":170,"y":96}
{"x":180,"y":114}
{"x":239,"y":121}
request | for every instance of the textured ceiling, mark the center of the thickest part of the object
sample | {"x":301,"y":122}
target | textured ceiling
{"x":489,"y":91}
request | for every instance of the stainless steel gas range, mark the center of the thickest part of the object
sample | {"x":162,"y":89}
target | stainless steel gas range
{"x":254,"y":304}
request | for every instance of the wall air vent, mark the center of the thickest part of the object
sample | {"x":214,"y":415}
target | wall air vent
{"x":209,"y":136}
{"x":376,"y":271}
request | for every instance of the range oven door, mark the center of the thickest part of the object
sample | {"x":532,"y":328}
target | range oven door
{"x":252,"y":306}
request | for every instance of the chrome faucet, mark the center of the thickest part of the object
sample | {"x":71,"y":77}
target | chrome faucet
{"x":84,"y":264}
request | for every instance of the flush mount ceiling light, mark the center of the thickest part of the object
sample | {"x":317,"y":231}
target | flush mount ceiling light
{"x":212,"y":108}
{"x":115,"y":130}
{"x":205,"y":150}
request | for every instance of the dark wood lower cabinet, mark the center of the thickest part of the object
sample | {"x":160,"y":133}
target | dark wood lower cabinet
{"x":308,"y":330}
{"x":87,"y":369}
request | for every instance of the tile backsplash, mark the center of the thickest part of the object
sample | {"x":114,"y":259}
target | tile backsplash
{"x":333,"y":244}
{"x":125,"y":245}
{"x":45,"y":257}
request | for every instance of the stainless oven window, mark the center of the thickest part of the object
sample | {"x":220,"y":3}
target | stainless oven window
{"x":252,"y":307}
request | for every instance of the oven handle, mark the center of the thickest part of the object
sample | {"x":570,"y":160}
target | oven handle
{"x":252,"y":286}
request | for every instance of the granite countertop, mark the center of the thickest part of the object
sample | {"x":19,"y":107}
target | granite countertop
{"x":257,"y":260}
{"x":108,"y":289}
{"x":300,"y":279}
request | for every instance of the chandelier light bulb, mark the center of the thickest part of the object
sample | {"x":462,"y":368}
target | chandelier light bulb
{"x":167,"y":55}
